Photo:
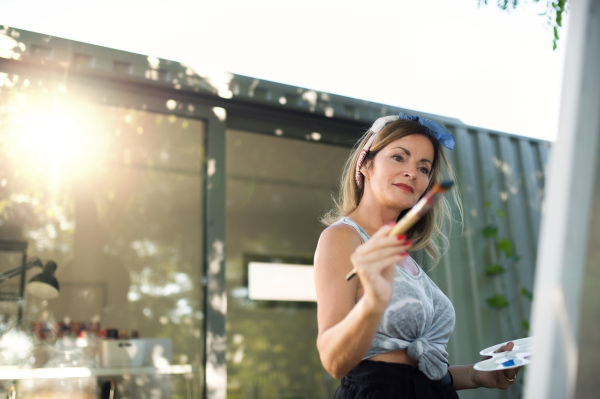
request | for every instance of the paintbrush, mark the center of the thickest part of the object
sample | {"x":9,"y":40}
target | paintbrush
{"x":416,"y":213}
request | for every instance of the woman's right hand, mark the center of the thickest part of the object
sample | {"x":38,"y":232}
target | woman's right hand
{"x":375,"y":260}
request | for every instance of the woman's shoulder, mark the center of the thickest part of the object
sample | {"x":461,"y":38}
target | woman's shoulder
{"x":334,"y":249}
{"x":338,"y":237}
{"x":340,"y":230}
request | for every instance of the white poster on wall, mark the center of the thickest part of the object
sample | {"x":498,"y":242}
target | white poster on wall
{"x":281,"y":282}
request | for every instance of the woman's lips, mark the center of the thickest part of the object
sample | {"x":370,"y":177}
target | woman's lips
{"x":405,"y":187}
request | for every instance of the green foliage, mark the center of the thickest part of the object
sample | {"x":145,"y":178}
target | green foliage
{"x":490,"y":231}
{"x":514,"y":258}
{"x":526,"y":293}
{"x":492,"y":270}
{"x":502,"y":256}
{"x":555,"y":9}
{"x":497,"y":301}
{"x":505,"y":246}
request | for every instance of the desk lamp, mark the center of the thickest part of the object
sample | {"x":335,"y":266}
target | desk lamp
{"x":43,"y":285}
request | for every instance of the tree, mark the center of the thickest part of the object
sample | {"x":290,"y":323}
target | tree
{"x":554,"y":13}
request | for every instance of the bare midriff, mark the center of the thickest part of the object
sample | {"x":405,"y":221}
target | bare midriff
{"x":400,"y":356}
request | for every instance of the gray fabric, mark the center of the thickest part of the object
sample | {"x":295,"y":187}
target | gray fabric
{"x":419,"y":318}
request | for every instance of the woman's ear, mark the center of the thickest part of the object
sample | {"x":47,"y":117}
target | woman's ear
{"x":365,"y":168}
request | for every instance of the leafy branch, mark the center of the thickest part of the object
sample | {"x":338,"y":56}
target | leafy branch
{"x":555,"y":9}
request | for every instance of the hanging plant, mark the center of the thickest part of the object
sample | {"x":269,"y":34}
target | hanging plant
{"x":505,"y":248}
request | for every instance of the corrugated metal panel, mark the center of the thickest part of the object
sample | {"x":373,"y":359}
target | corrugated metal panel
{"x":501,"y":180}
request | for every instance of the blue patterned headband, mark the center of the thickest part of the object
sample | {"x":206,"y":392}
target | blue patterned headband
{"x":435,"y":129}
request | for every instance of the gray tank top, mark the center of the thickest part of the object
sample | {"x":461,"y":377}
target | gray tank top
{"x":419,"y":318}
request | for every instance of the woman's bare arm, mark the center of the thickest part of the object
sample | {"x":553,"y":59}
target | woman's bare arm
{"x":347,"y":327}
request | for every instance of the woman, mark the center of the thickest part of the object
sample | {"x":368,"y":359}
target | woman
{"x":385,"y":333}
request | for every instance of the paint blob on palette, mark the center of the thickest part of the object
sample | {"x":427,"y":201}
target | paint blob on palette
{"x":519,"y":356}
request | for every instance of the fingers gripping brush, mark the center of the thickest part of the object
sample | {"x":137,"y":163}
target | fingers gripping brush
{"x":416,"y":213}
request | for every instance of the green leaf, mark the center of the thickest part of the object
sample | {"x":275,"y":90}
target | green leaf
{"x":490,"y":231}
{"x":525,"y":325}
{"x":501,"y":213}
{"x":505,"y":246}
{"x":497,"y":301}
{"x":526,"y":293}
{"x":492,"y":270}
{"x":487,"y":204}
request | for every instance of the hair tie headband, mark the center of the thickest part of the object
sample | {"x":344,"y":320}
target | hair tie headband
{"x":435,"y":129}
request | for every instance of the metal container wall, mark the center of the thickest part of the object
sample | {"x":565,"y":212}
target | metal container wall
{"x":501,"y":181}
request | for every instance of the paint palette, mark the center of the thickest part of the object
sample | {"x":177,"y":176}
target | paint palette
{"x":519,"y":356}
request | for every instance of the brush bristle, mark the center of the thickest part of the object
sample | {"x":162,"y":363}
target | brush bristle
{"x":443,"y":186}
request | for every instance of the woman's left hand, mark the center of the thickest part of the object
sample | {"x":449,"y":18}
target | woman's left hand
{"x":501,"y":379}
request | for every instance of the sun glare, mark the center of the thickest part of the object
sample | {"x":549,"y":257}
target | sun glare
{"x":60,"y":140}
{"x":56,"y":136}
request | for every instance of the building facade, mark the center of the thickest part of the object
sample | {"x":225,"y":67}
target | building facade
{"x":155,"y":186}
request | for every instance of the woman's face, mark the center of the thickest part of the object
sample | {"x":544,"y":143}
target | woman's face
{"x":399,"y":174}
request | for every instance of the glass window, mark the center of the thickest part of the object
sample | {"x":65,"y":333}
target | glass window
{"x":277,"y":188}
{"x":114,"y":197}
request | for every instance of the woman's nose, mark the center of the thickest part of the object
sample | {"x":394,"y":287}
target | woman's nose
{"x":410,"y":172}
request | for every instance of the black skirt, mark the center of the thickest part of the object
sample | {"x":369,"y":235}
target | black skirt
{"x":379,"y":380}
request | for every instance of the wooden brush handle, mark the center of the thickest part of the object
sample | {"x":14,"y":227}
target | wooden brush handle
{"x":404,"y":224}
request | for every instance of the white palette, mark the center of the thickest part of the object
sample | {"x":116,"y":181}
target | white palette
{"x":519,"y":356}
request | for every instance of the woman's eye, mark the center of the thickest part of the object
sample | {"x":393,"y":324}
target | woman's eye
{"x":397,"y":157}
{"x":424,"y":170}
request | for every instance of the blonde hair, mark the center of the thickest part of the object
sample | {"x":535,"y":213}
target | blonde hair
{"x":427,"y":234}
